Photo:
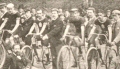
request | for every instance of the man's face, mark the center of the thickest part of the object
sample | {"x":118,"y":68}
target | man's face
{"x":39,"y":14}
{"x":28,"y":14}
{"x":100,"y":16}
{"x":21,"y":10}
{"x":90,"y":13}
{"x":62,"y":17}
{"x":115,"y":16}
{"x":108,"y":12}
{"x":33,"y":11}
{"x":10,"y":10}
{"x":67,"y":13}
{"x":75,"y":14}
{"x":17,"y":48}
{"x":54,"y":14}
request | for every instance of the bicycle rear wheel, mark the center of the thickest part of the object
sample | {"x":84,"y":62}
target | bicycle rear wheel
{"x":93,"y":59}
{"x":2,"y":55}
{"x":27,"y":51}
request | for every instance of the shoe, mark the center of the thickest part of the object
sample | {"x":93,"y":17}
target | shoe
{"x":102,"y":64}
{"x":38,"y":60}
{"x":74,"y":65}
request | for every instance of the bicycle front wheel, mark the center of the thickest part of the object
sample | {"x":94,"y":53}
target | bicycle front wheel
{"x":93,"y":59}
{"x":109,"y":57}
{"x":27,"y":51}
{"x":2,"y":55}
{"x":63,"y":59}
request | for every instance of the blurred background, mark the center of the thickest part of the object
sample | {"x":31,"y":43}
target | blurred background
{"x":67,"y":4}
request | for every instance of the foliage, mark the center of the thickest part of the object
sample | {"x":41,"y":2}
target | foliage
{"x":66,"y":4}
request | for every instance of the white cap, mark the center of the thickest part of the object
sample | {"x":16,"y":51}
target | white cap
{"x":116,"y":12}
{"x":10,"y":5}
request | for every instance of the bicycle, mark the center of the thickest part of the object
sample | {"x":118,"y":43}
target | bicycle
{"x":40,"y":57}
{"x":66,"y":54}
{"x":93,"y":58}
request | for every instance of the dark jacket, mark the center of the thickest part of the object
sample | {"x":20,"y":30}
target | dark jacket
{"x":54,"y":32}
{"x":20,"y":63}
{"x":55,"y":28}
{"x":116,"y":32}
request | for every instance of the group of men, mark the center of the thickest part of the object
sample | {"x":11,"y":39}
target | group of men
{"x":51,"y":29}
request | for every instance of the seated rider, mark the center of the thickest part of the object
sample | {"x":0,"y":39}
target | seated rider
{"x":42,"y":28}
{"x":11,"y":20}
{"x":75,"y":26}
{"x":102,"y":25}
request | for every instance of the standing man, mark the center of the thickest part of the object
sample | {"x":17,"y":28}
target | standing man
{"x":53,"y":35}
{"x":89,"y":23}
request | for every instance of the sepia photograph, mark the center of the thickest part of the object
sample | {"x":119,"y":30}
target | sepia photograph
{"x":59,"y":34}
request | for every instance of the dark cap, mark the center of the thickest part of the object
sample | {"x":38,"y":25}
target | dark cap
{"x":2,"y":5}
{"x":27,"y":8}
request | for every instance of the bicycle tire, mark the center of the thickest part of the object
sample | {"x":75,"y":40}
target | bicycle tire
{"x":109,"y":59}
{"x":59,"y":58}
{"x":92,"y":52}
{"x":3,"y":56}
{"x":44,"y":58}
{"x":30,"y":57}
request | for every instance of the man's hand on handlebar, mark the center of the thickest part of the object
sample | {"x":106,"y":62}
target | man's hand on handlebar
{"x":111,"y":44}
{"x":63,"y":38}
{"x":10,"y":31}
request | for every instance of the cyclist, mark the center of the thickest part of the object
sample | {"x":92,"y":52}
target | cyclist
{"x":42,"y":23}
{"x":103,"y":26}
{"x":21,"y":9}
{"x":75,"y":28}
{"x":11,"y":20}
{"x":27,"y":24}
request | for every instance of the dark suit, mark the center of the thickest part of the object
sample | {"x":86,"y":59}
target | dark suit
{"x":54,"y":35}
{"x":16,"y":63}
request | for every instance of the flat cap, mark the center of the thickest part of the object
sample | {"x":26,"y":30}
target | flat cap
{"x":10,"y":5}
{"x":116,"y":12}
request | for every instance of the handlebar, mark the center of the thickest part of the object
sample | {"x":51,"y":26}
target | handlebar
{"x":33,"y":34}
{"x":70,"y":36}
{"x":100,"y":35}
